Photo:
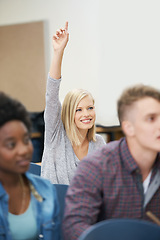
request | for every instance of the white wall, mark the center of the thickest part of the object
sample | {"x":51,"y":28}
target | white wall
{"x":113,"y":44}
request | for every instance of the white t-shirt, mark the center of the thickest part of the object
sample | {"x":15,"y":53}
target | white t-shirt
{"x":146,"y":182}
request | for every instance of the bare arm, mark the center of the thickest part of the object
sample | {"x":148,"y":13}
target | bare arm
{"x":60,"y":40}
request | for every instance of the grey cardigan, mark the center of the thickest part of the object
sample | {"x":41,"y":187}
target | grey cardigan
{"x":59,"y":161}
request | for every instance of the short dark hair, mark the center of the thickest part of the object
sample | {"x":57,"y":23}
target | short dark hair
{"x":133,"y":94}
{"x":12,"y":109}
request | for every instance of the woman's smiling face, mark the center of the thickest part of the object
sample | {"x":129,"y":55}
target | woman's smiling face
{"x":85,"y":114}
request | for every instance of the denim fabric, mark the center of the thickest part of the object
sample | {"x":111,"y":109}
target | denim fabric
{"x":46,"y":211}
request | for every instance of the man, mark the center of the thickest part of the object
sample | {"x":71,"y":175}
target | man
{"x":120,"y":179}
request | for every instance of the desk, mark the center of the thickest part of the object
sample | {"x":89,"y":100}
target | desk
{"x":36,"y":135}
{"x":38,"y":163}
{"x":113,"y":132}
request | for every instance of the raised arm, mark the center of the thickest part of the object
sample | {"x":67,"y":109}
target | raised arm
{"x":60,"y":40}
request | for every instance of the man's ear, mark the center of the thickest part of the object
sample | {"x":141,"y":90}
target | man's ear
{"x":128,"y":128}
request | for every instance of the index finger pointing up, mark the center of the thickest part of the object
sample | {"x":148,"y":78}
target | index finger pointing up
{"x":66,"y":26}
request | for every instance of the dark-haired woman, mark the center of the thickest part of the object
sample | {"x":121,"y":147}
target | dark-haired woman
{"x":28,"y":203}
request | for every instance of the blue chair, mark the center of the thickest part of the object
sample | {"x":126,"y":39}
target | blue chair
{"x":61,"y":193}
{"x":34,"y":168}
{"x":122,"y":229}
{"x":61,"y":190}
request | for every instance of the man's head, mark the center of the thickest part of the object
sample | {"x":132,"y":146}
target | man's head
{"x":139,"y":116}
{"x":132,"y":95}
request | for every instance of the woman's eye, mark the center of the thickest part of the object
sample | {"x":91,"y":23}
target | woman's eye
{"x":90,"y":108}
{"x":27,"y":140}
{"x":78,"y":110}
{"x":10,"y":145}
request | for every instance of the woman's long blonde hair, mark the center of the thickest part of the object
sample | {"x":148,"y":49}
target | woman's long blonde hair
{"x":69,"y":107}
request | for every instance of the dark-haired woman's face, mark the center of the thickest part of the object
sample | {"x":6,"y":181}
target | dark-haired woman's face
{"x":15,"y":147}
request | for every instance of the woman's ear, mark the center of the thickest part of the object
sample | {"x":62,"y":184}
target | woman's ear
{"x":128,"y":128}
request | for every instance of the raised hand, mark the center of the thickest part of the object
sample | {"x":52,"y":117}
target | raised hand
{"x":60,"y":39}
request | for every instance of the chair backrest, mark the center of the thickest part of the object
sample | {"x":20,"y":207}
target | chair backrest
{"x":61,"y":193}
{"x":35,"y":169}
{"x":122,"y":229}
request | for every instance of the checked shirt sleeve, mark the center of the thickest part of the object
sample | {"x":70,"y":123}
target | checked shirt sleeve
{"x":83,"y":199}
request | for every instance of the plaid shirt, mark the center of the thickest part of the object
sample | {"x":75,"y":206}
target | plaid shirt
{"x":107,"y":184}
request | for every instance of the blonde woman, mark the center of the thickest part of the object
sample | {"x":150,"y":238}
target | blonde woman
{"x":70,"y":129}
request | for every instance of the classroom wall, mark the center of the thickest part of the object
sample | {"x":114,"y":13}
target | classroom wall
{"x":22,"y":63}
{"x":112,"y":44}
